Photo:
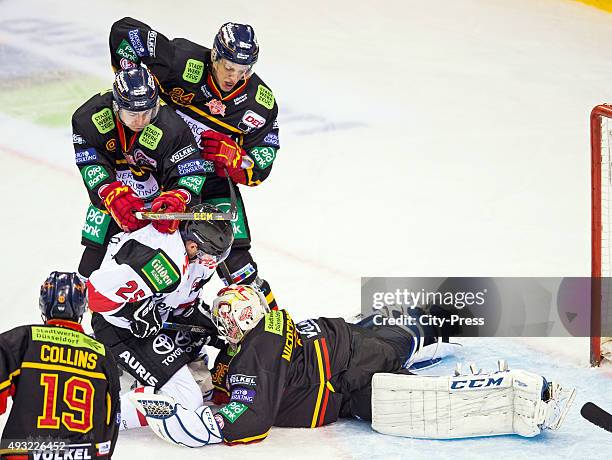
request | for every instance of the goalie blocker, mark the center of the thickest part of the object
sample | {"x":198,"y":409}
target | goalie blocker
{"x":460,"y":406}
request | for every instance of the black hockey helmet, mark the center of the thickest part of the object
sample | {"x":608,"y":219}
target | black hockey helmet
{"x":63,"y":296}
{"x":135,"y":90}
{"x":236,"y":43}
{"x":213,"y":237}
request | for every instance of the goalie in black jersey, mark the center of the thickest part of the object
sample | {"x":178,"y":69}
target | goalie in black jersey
{"x":311,"y":373}
{"x":64,"y":384}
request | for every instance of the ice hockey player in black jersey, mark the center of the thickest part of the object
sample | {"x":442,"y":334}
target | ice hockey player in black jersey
{"x":132,"y":153}
{"x":231,"y":111}
{"x":311,"y":373}
{"x":63,"y":383}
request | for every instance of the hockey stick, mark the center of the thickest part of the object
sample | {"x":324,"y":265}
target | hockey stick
{"x":185,"y":328}
{"x":597,"y":416}
{"x":229,"y":215}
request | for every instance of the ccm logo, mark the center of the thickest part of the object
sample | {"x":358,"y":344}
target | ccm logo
{"x":476,"y":383}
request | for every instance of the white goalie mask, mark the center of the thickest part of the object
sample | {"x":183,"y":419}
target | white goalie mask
{"x":237,"y":310}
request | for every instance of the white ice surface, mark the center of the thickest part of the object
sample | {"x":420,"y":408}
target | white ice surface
{"x":418,"y":138}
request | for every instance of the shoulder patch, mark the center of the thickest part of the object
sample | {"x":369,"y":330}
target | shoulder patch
{"x":263,"y":156}
{"x":160,"y":272}
{"x":96,"y":225}
{"x":126,"y":51}
{"x":68,"y":337}
{"x":273,"y":322}
{"x":194,"y":70}
{"x":150,"y":137}
{"x":192,"y":183}
{"x":265,"y":97}
{"x":155,"y":267}
{"x":93,"y":175}
{"x":103,"y":120}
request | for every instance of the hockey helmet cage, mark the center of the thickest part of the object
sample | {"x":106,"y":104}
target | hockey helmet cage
{"x":237,"y":310}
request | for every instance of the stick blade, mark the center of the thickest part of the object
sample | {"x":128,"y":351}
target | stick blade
{"x":597,"y":416}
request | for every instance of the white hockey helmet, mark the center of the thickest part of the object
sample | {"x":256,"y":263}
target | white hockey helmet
{"x":237,"y":310}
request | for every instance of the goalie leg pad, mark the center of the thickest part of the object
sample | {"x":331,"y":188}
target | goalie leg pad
{"x":505,"y":402}
{"x":175,"y":424}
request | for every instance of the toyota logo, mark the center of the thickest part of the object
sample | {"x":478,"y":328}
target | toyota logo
{"x":162,"y":344}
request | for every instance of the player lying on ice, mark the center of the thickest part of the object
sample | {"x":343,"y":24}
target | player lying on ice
{"x":312,"y":373}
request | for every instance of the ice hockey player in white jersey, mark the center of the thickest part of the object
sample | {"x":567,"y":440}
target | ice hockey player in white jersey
{"x":146,"y":279}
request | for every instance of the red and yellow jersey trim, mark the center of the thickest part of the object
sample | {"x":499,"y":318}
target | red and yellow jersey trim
{"x":250,"y":439}
{"x":325,"y":387}
{"x":8,"y":382}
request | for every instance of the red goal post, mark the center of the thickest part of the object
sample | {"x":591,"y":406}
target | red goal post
{"x":601,"y":219}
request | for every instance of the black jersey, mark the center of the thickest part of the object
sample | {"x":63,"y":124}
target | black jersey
{"x":182,"y":68}
{"x":297,"y":375}
{"x":64,"y":386}
{"x":163,"y":156}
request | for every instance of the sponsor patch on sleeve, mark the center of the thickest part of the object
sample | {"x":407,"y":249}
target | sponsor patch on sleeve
{"x":273,"y":322}
{"x":137,"y":46}
{"x":126,"y":51}
{"x":192,"y":183}
{"x":77,"y":139}
{"x":243,"y":380}
{"x":233,"y":411}
{"x":160,"y":272}
{"x":194,"y":70}
{"x":265,"y":97}
{"x":272,"y":139}
{"x":93,"y":175}
{"x":183,"y":153}
{"x":85,"y":156}
{"x":263,"y":156}
{"x":103,"y":120}
{"x":244,"y":395}
{"x":195,"y":166}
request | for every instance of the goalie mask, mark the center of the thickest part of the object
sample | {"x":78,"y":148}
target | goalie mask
{"x":237,"y":310}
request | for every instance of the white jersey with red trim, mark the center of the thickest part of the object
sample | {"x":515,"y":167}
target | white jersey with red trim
{"x":142,"y":264}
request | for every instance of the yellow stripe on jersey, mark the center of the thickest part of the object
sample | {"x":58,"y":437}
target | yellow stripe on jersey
{"x":315,"y":414}
{"x":108,"y":408}
{"x":7,"y":383}
{"x":250,"y":439}
{"x":57,"y":367}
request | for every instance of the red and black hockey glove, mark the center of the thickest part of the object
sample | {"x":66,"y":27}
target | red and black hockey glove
{"x":223,"y":151}
{"x":170,"y":201}
{"x":121,"y":201}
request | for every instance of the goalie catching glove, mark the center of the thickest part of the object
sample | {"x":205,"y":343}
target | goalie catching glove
{"x":461,"y":406}
{"x":121,"y":202}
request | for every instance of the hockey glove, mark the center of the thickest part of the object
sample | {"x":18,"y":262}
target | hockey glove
{"x":170,"y":201}
{"x":121,"y":201}
{"x":223,"y":151}
{"x":146,"y":320}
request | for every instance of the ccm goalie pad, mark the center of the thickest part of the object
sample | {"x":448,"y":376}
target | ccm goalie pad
{"x":477,"y":404}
